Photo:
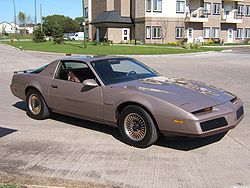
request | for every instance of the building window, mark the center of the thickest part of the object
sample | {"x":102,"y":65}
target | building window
{"x":86,"y":12}
{"x":239,"y":33}
{"x":248,"y":10}
{"x":247,"y":33}
{"x":240,"y":10}
{"x":206,"y":33}
{"x":157,"y":5}
{"x":148,"y":5}
{"x":179,"y":32}
{"x":156,"y":32}
{"x":207,"y":8}
{"x":216,"y":8}
{"x":180,"y":6}
{"x":148,"y":32}
{"x":215,"y":33}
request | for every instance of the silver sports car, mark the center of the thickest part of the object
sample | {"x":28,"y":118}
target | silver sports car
{"x":123,"y":92}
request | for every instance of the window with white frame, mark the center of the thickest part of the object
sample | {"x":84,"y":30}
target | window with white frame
{"x":215,"y":33}
{"x":247,"y":10}
{"x":207,"y":8}
{"x":206,"y":33}
{"x":180,"y":6}
{"x":156,"y":30}
{"x":216,"y":8}
{"x":247,"y":33}
{"x":157,"y":5}
{"x":148,"y":32}
{"x":148,"y":5}
{"x":239,"y":33}
{"x":179,"y":32}
{"x":240,"y":10}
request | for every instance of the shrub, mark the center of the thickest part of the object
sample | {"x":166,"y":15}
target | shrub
{"x":248,"y":42}
{"x":177,"y":43}
{"x":195,"y":45}
{"x":39,"y":35}
{"x":186,"y":45}
{"x":57,"y":34}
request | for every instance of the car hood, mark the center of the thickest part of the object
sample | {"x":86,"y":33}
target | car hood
{"x":189,"y":95}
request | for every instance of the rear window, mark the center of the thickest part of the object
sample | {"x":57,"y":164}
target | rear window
{"x":38,"y":70}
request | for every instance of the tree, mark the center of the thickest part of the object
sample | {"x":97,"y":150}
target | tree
{"x":39,"y":35}
{"x":57,"y":34}
{"x":22,"y":19}
{"x":67,"y":24}
{"x":79,"y":21}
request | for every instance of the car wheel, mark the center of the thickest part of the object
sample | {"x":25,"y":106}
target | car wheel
{"x":137,"y":127}
{"x":36,"y":106}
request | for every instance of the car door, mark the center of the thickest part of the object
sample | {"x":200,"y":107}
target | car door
{"x":69,"y":96}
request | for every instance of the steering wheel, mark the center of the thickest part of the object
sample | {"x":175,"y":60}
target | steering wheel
{"x":131,"y":73}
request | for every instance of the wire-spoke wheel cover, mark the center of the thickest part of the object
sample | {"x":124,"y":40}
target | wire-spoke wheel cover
{"x":135,"y":127}
{"x":34,"y":104}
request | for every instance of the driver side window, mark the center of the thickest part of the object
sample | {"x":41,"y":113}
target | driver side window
{"x":74,"y":71}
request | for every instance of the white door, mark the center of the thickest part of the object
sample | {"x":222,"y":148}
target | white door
{"x":190,"y":35}
{"x":230,"y":35}
{"x":126,"y":34}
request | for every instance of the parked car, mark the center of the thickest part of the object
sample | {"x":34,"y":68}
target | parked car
{"x":67,"y":36}
{"x":123,"y":92}
{"x":77,"y":36}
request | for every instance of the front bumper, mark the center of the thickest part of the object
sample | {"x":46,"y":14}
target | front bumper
{"x":228,"y":117}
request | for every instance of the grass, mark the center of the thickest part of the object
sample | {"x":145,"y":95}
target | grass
{"x":227,"y":44}
{"x":76,"y":48}
{"x":9,"y":186}
{"x":20,"y":36}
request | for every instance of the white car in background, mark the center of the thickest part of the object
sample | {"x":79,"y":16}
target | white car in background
{"x":77,"y":36}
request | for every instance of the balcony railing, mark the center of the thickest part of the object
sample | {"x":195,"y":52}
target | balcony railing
{"x":231,"y":16}
{"x":197,"y":15}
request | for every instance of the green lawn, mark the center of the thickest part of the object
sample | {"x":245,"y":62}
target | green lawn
{"x":76,"y":48}
{"x":9,"y":186}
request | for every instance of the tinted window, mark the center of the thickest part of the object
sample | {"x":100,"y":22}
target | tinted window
{"x":74,"y":72}
{"x":38,"y":70}
{"x":114,"y":71}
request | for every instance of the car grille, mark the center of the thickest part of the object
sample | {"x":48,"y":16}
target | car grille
{"x":240,"y":112}
{"x":213,"y":124}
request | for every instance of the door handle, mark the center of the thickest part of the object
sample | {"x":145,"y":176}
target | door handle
{"x":54,"y":86}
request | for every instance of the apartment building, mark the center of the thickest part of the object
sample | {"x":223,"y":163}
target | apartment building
{"x":162,"y":21}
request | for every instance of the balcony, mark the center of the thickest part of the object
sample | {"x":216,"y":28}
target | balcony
{"x":230,"y":17}
{"x":197,"y":15}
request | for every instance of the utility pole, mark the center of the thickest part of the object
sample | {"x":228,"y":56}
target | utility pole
{"x":41,"y":15}
{"x":14,"y":4}
{"x":35,"y":14}
{"x":84,"y":24}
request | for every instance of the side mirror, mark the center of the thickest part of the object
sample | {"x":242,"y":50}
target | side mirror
{"x":89,"y":84}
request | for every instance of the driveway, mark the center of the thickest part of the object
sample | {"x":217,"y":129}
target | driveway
{"x":66,"y":151}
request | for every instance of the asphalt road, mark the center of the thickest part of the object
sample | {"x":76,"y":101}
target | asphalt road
{"x":78,"y":151}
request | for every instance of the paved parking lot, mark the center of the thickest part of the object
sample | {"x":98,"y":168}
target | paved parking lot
{"x":74,"y":150}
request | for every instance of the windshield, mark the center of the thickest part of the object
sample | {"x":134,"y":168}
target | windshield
{"x":118,"y":70}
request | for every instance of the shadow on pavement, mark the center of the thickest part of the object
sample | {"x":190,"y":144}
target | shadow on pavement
{"x":5,"y":131}
{"x":178,"y":143}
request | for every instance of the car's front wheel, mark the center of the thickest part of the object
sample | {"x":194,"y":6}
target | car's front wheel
{"x":137,"y":127}
{"x":36,"y":106}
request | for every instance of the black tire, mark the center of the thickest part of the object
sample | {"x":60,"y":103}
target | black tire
{"x":145,"y":127}
{"x":37,"y":109}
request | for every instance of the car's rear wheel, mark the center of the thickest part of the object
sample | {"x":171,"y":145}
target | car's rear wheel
{"x":137,"y":127}
{"x":36,"y":106}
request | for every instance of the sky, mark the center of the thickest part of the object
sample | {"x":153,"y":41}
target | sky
{"x":71,"y":8}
